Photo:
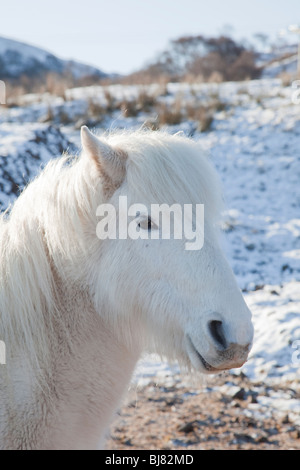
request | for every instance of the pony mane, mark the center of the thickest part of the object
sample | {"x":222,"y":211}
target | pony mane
{"x":34,"y":237}
{"x":164,"y":168}
{"x":54,"y":222}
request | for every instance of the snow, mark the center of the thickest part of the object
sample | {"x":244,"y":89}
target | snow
{"x":288,"y":65}
{"x":276,"y":313}
{"x":254,"y":144}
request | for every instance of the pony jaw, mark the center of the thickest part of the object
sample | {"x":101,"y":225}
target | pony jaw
{"x":197,"y":360}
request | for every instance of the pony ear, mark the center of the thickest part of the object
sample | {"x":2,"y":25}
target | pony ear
{"x":109,"y":161}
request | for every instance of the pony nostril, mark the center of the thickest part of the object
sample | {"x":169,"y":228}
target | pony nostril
{"x":216,"y":331}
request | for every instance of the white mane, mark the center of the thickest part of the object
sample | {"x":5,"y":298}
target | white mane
{"x":38,"y":233}
{"x":170,"y":169}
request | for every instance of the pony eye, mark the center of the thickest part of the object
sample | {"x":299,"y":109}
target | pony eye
{"x":147,"y":224}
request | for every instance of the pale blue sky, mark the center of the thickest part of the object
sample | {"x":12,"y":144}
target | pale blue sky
{"x":121,"y":35}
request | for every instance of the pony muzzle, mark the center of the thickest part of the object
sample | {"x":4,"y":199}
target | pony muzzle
{"x":219,"y":352}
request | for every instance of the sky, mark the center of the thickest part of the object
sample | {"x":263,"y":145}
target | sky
{"x":122,"y":35}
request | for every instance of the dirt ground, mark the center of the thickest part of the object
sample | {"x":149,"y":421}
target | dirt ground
{"x":223,"y":414}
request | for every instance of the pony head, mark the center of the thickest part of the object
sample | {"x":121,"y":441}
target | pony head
{"x":181,"y":303}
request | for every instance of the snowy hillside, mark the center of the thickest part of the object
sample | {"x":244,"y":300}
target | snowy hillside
{"x":24,"y":150}
{"x":18,"y":58}
{"x":283,"y":60}
{"x":253,"y":138}
{"x":275,"y":68}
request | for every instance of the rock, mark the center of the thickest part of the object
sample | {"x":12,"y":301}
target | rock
{"x":240,"y":395}
{"x":187,"y":427}
{"x":286,"y":420}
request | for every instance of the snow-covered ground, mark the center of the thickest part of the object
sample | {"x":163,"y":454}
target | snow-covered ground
{"x":254,"y":142}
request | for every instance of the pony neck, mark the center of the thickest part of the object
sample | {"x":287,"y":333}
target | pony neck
{"x":93,"y":383}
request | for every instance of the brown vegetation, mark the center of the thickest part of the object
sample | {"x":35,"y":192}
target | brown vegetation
{"x":189,"y":58}
{"x":198,"y":58}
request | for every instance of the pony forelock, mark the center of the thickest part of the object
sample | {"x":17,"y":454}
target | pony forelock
{"x":169,"y":169}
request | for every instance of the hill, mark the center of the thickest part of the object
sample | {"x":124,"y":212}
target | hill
{"x":19,"y":59}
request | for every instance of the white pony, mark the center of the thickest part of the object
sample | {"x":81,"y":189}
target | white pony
{"x":76,"y":312}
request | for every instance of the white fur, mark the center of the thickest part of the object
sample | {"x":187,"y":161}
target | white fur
{"x":76,"y":312}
